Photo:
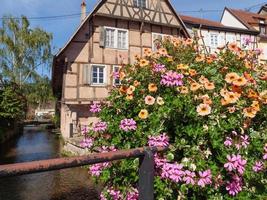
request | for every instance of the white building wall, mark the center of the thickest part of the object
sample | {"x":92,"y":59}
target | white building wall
{"x":229,"y":20}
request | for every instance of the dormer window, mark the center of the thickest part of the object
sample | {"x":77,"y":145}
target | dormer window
{"x":140,"y":3}
{"x":262,"y":27}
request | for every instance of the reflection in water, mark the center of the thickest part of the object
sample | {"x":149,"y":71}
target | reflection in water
{"x":38,"y":144}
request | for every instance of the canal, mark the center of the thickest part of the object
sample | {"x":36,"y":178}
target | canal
{"x":37,"y":143}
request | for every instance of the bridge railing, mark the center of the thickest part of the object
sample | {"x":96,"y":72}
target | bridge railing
{"x":146,"y":167}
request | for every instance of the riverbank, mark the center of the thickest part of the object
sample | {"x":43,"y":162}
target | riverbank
{"x":9,"y":130}
{"x":38,"y":143}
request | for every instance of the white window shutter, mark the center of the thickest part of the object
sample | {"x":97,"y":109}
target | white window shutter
{"x":207,"y":39}
{"x":86,"y":74}
{"x":102,"y":36}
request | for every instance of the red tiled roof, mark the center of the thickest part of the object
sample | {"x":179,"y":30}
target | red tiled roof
{"x":249,"y":19}
{"x":195,"y":20}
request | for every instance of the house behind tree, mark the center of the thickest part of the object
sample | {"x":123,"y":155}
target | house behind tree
{"x":111,"y":35}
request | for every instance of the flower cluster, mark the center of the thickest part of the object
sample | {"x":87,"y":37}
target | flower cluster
{"x":100,"y":126}
{"x":236,"y":140}
{"x":171,"y":79}
{"x":235,"y":162}
{"x":95,"y":108}
{"x":234,"y":186}
{"x":158,"y":141}
{"x":159,"y":68}
{"x":87,"y":142}
{"x":128,"y":125}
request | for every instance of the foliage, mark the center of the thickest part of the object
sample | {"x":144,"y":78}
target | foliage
{"x":22,"y":50}
{"x":12,"y":102}
{"x":213,"y":111}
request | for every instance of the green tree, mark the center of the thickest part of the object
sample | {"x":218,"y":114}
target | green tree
{"x":23,"y":50}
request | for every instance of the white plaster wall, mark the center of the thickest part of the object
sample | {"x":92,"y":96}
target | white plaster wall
{"x":229,"y":20}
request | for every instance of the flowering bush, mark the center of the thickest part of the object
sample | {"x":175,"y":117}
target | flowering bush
{"x":209,"y":109}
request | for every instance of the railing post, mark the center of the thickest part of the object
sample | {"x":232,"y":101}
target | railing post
{"x":71,"y":130}
{"x":146,"y":176}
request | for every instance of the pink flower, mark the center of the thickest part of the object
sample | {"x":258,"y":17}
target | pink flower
{"x":95,"y":108}
{"x":228,"y":142}
{"x":132,"y":195}
{"x":158,"y":68}
{"x":85,"y":130}
{"x":100,"y":126}
{"x":205,"y":178}
{"x":115,"y":194}
{"x":172,"y":171}
{"x":235,"y":163}
{"x":244,"y":141}
{"x":149,"y":100}
{"x":87,"y":143}
{"x":265,"y":152}
{"x":128,"y":125}
{"x":158,"y":141}
{"x":159,"y":162}
{"x":235,"y":186}
{"x":172,"y":78}
{"x":258,"y":166}
{"x":189,"y":177}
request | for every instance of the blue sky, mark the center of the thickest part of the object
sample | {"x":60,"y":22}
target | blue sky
{"x":63,"y":28}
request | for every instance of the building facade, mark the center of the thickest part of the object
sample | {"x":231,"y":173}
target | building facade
{"x":214,"y":34}
{"x":112,"y":34}
{"x":249,"y":21}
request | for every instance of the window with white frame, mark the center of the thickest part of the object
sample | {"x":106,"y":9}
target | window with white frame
{"x":98,"y":75}
{"x":157,"y":38}
{"x":140,"y":3}
{"x":214,"y":40}
{"x":116,"y":77}
{"x":116,"y":38}
{"x":230,"y":38}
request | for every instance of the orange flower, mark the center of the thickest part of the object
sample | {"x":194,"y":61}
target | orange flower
{"x":241,"y":54}
{"x":209,"y":59}
{"x":203,"y":109}
{"x":203,"y":80}
{"x":255,"y":105}
{"x":230,"y":77}
{"x":182,"y":66}
{"x":232,"y":97}
{"x":149,"y":100}
{"x":252,"y":94}
{"x":249,"y":112}
{"x":263,"y":96}
{"x":136,"y":83}
{"x":122,"y":75}
{"x":192,"y":72}
{"x":152,"y":87}
{"x":209,"y":86}
{"x":182,"y":90}
{"x":147,"y":52}
{"x":160,"y":101}
{"x":248,"y":65}
{"x":143,"y":62}
{"x":195,"y":86}
{"x":233,"y":47}
{"x":131,"y":89}
{"x":123,"y":89}
{"x":143,"y":114}
{"x":223,"y":92}
{"x":189,"y":41}
{"x":163,"y":51}
{"x":231,"y":109}
{"x":236,"y":88}
{"x":129,"y":96}
{"x":224,"y":102}
{"x":200,"y":58}
{"x":241,"y":81}
{"x":207,"y":101}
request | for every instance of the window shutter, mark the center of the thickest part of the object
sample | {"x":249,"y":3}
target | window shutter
{"x":102,"y":37}
{"x":86,"y":74}
{"x":221,"y":40}
{"x":207,"y":39}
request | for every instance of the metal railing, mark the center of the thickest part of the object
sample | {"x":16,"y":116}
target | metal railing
{"x":146,"y":168}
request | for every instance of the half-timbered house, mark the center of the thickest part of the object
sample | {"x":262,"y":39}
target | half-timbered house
{"x":112,"y":34}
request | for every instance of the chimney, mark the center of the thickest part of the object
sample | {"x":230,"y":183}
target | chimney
{"x":83,"y":11}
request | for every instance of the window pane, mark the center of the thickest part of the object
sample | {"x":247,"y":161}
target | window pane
{"x":94,"y":74}
{"x":101,"y":80}
{"x":122,"y":39}
{"x":109,"y":41}
{"x":94,"y":80}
